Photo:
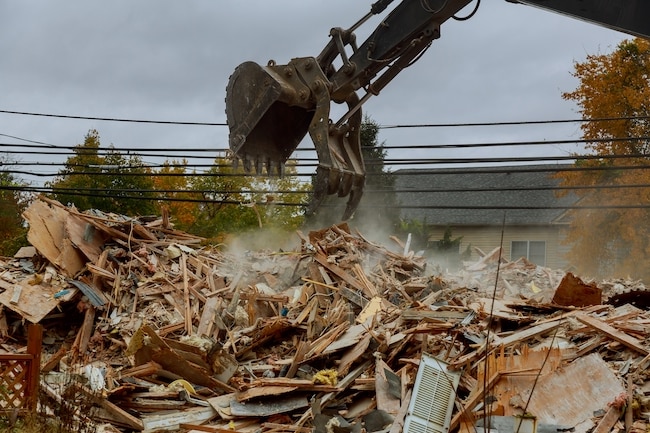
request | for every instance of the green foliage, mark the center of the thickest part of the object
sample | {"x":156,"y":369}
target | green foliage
{"x":229,"y":200}
{"x":234,"y":202}
{"x":279,"y":212}
{"x":379,"y":201}
{"x":447,"y":244}
{"x":173,"y":181}
{"x":107,"y":181}
{"x":418,"y":231}
{"x":444,"y":252}
{"x":13,"y":234}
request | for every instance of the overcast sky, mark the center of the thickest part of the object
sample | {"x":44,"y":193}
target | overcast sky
{"x":170,"y":60}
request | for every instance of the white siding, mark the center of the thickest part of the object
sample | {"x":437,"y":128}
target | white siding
{"x":488,"y":238}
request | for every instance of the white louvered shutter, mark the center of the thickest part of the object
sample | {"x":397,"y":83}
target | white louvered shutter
{"x":433,"y":398}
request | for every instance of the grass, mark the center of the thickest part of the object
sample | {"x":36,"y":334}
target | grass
{"x":31,"y":424}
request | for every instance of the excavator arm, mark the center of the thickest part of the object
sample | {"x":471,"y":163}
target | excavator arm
{"x":270,"y":109}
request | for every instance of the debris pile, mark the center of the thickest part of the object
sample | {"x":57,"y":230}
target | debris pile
{"x":155,"y":331}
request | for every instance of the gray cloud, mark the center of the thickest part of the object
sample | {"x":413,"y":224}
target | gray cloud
{"x":170,"y":60}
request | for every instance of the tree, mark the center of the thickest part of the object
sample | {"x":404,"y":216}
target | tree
{"x":235,"y":202}
{"x":285,"y":198}
{"x":612,"y":239}
{"x":222,"y":190}
{"x":110,"y":182}
{"x":81,"y":173}
{"x":378,"y":203}
{"x":172,"y":181}
{"x":13,"y":234}
{"x":447,"y":251}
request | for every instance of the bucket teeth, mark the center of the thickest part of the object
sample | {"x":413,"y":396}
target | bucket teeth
{"x":321,"y":189}
{"x":247,"y":163}
{"x":275,"y":168}
{"x":258,"y":165}
{"x":345,"y":184}
{"x":353,"y":202}
{"x":330,"y":181}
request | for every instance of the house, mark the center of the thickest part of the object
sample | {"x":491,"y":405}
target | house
{"x":480,"y":204}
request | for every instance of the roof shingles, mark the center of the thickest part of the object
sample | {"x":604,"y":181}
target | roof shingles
{"x":481,"y":195}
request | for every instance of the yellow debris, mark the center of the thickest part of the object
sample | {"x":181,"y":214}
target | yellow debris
{"x":182,"y":384}
{"x":326,"y":377}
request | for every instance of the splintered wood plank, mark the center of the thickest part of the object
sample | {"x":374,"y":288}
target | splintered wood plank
{"x":112,"y":412}
{"x":301,"y":350}
{"x":613,"y":333}
{"x":398,"y":422}
{"x":517,"y":372}
{"x":301,"y":384}
{"x":53,"y":361}
{"x":607,"y":422}
{"x":206,"y":324}
{"x":496,"y":308}
{"x":320,"y":344}
{"x":421,"y":314}
{"x":173,"y":420}
{"x":268,"y":407}
{"x":371,"y":290}
{"x":246,"y":425}
{"x":472,"y":401}
{"x":286,"y":427}
{"x":349,"y":338}
{"x":263,"y":391}
{"x":85,"y":237}
{"x":526,"y":334}
{"x":85,"y":332}
{"x":157,"y":350}
{"x":353,"y":354}
{"x":315,"y":275}
{"x":386,"y":400}
{"x":187,"y":310}
{"x":341,"y":273}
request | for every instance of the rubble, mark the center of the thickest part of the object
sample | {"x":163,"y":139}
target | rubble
{"x":156,"y":331}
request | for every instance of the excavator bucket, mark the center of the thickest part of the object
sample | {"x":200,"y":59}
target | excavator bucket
{"x":271,"y":108}
{"x":265,"y":117}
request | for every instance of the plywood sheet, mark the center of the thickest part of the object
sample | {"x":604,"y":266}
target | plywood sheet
{"x":35,"y":301}
{"x":48,"y":235}
{"x":571,"y":395}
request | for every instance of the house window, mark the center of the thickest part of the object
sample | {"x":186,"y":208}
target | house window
{"x":534,"y":251}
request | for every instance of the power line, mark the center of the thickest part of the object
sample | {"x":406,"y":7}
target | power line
{"x":81,"y":150}
{"x":383,"y":206}
{"x":513,"y":123}
{"x":112,"y":119}
{"x":94,"y":191}
{"x":108,"y":170}
{"x":423,"y":125}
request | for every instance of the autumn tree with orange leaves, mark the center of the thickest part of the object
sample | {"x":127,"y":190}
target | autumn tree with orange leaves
{"x":173,"y":182}
{"x":610,"y":235}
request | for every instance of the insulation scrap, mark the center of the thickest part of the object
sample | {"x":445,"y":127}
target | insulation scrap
{"x":326,"y":377}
